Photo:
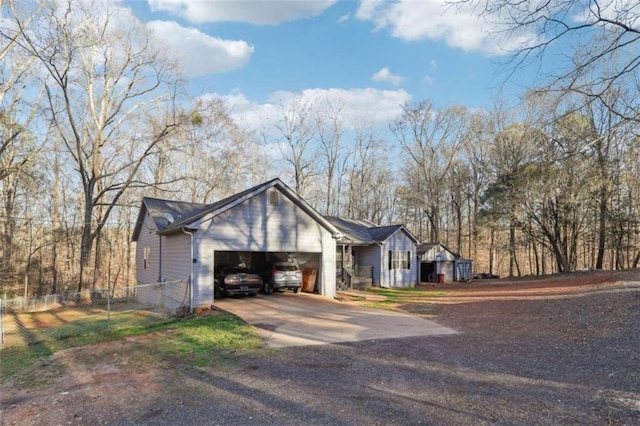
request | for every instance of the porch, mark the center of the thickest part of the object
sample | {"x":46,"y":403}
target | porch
{"x":354,"y":278}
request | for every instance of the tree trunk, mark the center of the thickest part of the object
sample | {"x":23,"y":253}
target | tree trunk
{"x":602,"y":223}
{"x":491,"y":249}
{"x":86,"y":244}
{"x":512,"y":247}
{"x":97,"y":264}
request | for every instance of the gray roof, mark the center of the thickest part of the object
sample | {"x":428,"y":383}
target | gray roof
{"x":424,"y":247}
{"x":185,"y":213}
{"x":160,"y":209}
{"x":364,"y":232}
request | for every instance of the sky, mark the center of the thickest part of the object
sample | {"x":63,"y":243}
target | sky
{"x":369,"y":56}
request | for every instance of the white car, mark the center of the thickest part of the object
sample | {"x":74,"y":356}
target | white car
{"x":281,"y":276}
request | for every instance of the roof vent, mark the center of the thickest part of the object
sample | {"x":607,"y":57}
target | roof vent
{"x":169,"y":218}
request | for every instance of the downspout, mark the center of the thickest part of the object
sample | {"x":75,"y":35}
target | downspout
{"x":160,"y":258}
{"x":192,"y":261}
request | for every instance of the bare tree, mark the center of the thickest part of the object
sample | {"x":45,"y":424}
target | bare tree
{"x":297,"y":131}
{"x":213,"y":148}
{"x":431,"y":139}
{"x":331,"y":129}
{"x":369,"y":183}
{"x":19,"y":145}
{"x":105,"y":82}
{"x":601,"y":42}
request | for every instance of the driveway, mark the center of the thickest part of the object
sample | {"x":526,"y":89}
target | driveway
{"x":287,"y":319}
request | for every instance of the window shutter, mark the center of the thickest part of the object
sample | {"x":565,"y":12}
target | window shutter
{"x":390,"y":259}
{"x":408,"y":260}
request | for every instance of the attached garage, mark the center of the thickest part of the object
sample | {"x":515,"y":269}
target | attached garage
{"x":267,"y":221}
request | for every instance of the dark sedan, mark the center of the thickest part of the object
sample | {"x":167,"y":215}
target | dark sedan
{"x":233,"y":280}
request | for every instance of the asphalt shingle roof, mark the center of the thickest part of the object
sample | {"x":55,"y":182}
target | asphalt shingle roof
{"x":362,"y":231}
{"x":179,"y":210}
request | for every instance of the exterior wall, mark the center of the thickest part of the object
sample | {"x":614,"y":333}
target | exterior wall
{"x":447,"y":269}
{"x":256,"y":225}
{"x":399,"y":277}
{"x":176,"y":257}
{"x":463,"y":270}
{"x":148,"y":240}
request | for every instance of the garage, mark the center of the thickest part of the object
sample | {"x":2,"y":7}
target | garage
{"x":260,"y":262}
{"x":269,"y":221}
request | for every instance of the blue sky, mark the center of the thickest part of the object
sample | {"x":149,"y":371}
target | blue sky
{"x":370,"y":56}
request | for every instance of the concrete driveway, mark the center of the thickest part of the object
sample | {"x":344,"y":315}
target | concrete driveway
{"x":287,"y":319}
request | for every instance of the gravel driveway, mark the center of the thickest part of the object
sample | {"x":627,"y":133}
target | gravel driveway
{"x":554,"y":360}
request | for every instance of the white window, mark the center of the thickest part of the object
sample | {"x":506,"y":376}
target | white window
{"x":399,"y":259}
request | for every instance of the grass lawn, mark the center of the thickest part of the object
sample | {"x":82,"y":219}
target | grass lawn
{"x":396,"y":296}
{"x":195,"y":339}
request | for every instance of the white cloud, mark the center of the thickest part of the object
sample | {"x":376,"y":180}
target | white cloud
{"x":428,"y":80}
{"x":460,"y":27}
{"x":256,"y":12}
{"x":385,"y":75}
{"x":434,"y":65}
{"x":360,"y":107}
{"x":198,"y":53}
{"x":344,"y":18}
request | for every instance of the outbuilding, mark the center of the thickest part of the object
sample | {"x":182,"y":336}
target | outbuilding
{"x":438,"y":263}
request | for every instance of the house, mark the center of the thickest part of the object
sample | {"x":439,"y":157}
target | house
{"x":438,"y":263}
{"x":176,"y":240}
{"x":382,"y":256}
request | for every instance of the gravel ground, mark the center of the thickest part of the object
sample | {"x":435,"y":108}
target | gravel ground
{"x":548,"y":358}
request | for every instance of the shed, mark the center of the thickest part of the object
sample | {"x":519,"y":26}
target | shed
{"x":439,"y":263}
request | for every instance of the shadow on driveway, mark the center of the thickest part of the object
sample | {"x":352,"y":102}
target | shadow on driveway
{"x":287,"y":319}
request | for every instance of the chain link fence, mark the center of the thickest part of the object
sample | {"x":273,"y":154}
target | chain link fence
{"x":25,"y":321}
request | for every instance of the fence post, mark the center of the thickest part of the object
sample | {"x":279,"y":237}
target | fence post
{"x":3,"y":304}
{"x":108,"y":307}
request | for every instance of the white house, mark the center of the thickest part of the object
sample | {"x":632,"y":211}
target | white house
{"x":176,"y":240}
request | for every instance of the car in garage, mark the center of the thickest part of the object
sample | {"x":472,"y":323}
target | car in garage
{"x":281,"y":276}
{"x":233,"y":280}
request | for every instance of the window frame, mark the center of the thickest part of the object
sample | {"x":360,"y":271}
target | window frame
{"x":399,"y":260}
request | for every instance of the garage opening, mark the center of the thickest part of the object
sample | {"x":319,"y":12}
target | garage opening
{"x":260,"y":263}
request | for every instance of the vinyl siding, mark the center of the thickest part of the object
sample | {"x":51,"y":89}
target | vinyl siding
{"x":148,"y":239}
{"x":176,"y":257}
{"x":256,"y":225}
{"x":399,"y":277}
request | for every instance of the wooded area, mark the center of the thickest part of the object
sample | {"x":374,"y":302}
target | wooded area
{"x":94,"y":115}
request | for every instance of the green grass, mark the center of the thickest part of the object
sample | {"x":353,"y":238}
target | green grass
{"x":195,"y":341}
{"x":404,"y":293}
{"x":394,"y":296}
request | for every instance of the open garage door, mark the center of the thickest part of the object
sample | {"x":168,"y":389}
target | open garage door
{"x":260,"y":262}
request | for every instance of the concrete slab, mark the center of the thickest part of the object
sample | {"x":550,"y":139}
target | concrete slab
{"x":288,"y":319}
